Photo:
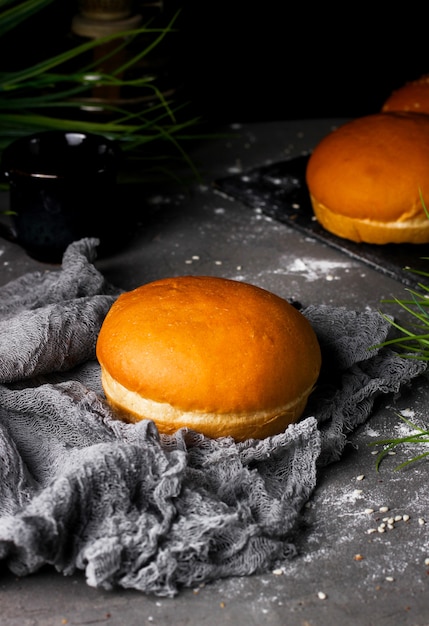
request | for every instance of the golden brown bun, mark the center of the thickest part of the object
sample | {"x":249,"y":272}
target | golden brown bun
{"x":412,"y":97}
{"x":365,"y":178}
{"x":219,"y":356}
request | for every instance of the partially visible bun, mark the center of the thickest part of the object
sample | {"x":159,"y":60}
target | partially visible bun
{"x":365,"y":179}
{"x":221,"y":357}
{"x":412,"y":97}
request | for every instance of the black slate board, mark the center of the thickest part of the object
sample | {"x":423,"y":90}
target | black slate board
{"x":280,"y":191}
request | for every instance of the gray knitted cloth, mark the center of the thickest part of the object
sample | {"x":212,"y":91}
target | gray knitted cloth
{"x":80,"y":490}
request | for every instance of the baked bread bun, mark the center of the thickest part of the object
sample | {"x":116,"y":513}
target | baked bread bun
{"x":412,"y":97}
{"x":219,"y":356}
{"x":365,"y":179}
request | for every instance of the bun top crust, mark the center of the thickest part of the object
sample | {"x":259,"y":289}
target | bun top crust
{"x":209,"y":344}
{"x":412,"y":97}
{"x":373,"y":167}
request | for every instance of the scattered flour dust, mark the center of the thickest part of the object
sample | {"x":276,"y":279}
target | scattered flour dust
{"x":314,"y":269}
{"x":411,"y":425}
{"x":371,"y":432}
{"x":358,"y":523}
{"x":350,"y":521}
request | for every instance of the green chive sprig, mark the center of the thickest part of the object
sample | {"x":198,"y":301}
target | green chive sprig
{"x":418,"y":436}
{"x":48,"y":95}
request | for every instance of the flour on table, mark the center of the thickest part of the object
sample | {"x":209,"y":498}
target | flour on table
{"x":314,"y":269}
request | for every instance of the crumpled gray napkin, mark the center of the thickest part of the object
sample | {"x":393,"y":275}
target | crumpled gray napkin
{"x":80,"y":490}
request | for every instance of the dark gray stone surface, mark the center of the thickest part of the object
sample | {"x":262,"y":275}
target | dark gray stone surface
{"x":343,"y":573}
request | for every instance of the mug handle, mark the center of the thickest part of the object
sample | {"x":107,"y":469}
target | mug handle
{"x":8,"y":232}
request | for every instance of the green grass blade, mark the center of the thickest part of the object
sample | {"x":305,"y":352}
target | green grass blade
{"x":13,"y":80}
{"x":410,"y":461}
{"x":13,"y":16}
{"x":420,"y":436}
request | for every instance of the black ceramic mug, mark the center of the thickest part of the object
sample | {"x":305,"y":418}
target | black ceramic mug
{"x":62,"y":187}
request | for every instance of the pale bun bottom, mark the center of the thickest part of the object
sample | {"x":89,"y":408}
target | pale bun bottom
{"x":132,"y":408}
{"x":414,"y":230}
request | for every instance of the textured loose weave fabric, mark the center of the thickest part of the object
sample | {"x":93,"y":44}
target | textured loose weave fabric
{"x":80,"y":490}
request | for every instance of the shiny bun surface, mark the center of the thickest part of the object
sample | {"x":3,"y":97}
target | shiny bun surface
{"x":365,"y":179}
{"x":219,"y":356}
{"x":412,"y":97}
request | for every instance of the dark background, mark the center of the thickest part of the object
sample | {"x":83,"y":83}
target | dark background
{"x":283,"y":61}
{"x":244,"y":62}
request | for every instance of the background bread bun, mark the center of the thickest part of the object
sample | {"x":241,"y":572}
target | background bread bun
{"x":219,"y":356}
{"x":365,"y":178}
{"x":412,"y":97}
